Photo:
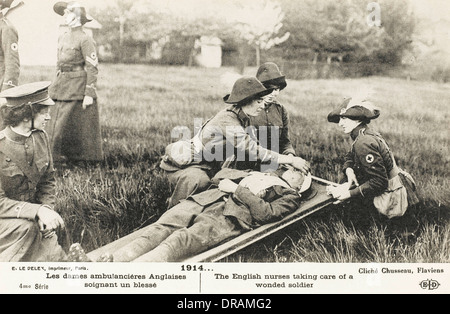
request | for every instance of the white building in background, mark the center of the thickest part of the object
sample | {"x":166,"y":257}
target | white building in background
{"x":39,"y":28}
{"x":210,"y":55}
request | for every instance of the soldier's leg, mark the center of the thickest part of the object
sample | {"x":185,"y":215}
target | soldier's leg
{"x":178,"y":217}
{"x":186,"y":182}
{"x":210,"y":228}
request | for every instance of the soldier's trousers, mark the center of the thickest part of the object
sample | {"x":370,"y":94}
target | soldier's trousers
{"x":186,"y":182}
{"x":22,"y":241}
{"x":184,"y":230}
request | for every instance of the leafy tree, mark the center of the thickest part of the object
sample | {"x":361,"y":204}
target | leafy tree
{"x":254,"y":23}
{"x":398,"y":24}
{"x":113,"y":19}
{"x":127,"y":22}
{"x":330,"y":28}
{"x":325,"y":29}
{"x":258,"y":23}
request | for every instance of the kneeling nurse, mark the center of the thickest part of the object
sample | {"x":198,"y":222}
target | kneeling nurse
{"x":370,"y":167}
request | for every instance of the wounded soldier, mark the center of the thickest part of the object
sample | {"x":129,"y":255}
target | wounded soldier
{"x":242,"y":201}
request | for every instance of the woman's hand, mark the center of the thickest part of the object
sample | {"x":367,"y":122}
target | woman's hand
{"x":339,"y":192}
{"x":48,"y":219}
{"x":351,"y":177}
{"x":227,"y":186}
{"x":301,"y":164}
{"x":87,"y":101}
{"x":296,"y":162}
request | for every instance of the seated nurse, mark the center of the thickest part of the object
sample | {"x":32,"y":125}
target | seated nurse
{"x":28,"y":220}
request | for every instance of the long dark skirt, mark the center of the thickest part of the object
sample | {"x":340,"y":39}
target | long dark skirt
{"x":75,"y":133}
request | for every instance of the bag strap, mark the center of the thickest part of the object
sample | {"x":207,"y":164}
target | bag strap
{"x":197,"y":144}
{"x":395,"y":170}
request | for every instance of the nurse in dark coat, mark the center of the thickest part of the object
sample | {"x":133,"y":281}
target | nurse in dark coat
{"x":9,"y":51}
{"x":74,"y":131}
{"x":274,"y":115}
{"x":367,"y":164}
{"x":370,"y":167}
{"x":28,"y":220}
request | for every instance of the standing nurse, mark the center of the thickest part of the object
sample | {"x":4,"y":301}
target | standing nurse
{"x":9,"y":52}
{"x":74,"y":131}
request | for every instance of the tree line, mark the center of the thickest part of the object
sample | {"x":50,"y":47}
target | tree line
{"x":305,"y":31}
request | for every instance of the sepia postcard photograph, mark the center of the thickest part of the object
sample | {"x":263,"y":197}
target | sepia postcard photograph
{"x":191,"y":147}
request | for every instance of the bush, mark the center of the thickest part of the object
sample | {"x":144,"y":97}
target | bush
{"x":441,"y":75}
{"x":300,"y":70}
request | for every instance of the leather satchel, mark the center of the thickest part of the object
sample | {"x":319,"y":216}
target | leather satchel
{"x":394,"y":201}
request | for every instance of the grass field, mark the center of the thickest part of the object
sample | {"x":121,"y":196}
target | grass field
{"x":140,"y":105}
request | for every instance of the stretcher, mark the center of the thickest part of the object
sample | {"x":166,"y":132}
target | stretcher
{"x":315,"y":200}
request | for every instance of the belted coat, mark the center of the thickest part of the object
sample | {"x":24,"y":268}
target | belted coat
{"x":9,"y":54}
{"x":9,"y":57}
{"x":371,"y":161}
{"x":75,"y":132}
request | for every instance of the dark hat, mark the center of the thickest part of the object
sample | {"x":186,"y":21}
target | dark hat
{"x":269,"y":74}
{"x":5,"y":3}
{"x":246,"y":88}
{"x":72,"y":6}
{"x":361,"y":111}
{"x":28,"y":94}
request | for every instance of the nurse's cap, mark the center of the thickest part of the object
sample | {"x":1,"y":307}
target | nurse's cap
{"x":355,"y":110}
{"x":73,"y":6}
{"x":28,"y":94}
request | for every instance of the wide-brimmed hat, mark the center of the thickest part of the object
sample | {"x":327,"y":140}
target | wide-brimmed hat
{"x":270,"y":75}
{"x":28,"y":94}
{"x":363,"y":110}
{"x":60,"y":7}
{"x":245,"y":89}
